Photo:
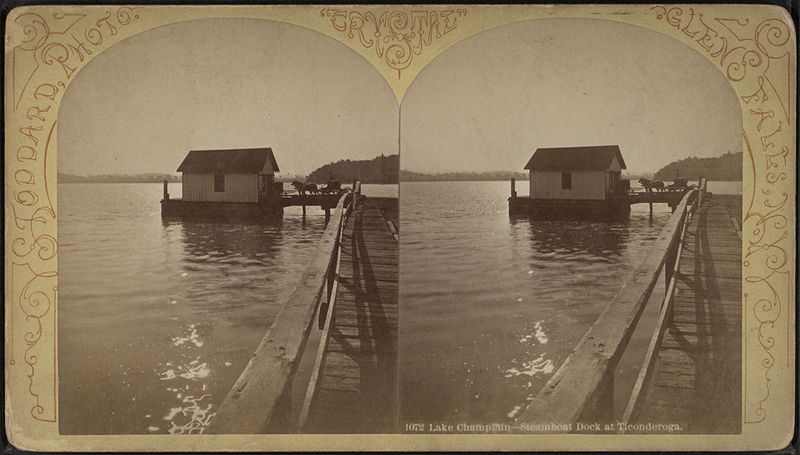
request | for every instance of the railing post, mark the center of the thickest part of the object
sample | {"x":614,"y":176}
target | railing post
{"x":669,"y":263}
{"x":513,"y":187}
{"x":166,"y":192}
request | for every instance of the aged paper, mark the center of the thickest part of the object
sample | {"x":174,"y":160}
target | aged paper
{"x":356,"y":67}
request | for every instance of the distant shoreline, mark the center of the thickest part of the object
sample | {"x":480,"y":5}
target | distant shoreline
{"x":169,"y":181}
{"x":525,"y":179}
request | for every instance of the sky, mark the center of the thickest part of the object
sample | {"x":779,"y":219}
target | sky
{"x":483,"y":105}
{"x":489,"y":101}
{"x":141,"y":105}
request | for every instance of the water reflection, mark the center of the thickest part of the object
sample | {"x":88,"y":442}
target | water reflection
{"x":234,"y":244}
{"x":602,"y":240}
{"x":231,"y":256}
{"x":492,"y":304}
{"x":158,"y":319}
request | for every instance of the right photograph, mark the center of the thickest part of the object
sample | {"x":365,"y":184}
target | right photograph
{"x":571,"y":255}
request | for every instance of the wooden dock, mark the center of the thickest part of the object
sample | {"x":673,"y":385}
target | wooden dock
{"x":324,"y":201}
{"x":690,"y":378}
{"x":611,"y":207}
{"x":671,"y":198}
{"x":696,"y":380}
{"x":349,"y":293}
{"x":357,"y":390}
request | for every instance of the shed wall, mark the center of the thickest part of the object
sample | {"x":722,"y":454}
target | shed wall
{"x":238,"y":188}
{"x":586,"y":185}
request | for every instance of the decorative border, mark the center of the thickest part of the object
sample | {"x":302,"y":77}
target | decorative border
{"x":51,"y":49}
{"x":755,"y":57}
{"x":46,"y":48}
{"x":396,"y":35}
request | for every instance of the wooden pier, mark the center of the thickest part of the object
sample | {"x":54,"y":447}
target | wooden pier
{"x":265,"y":208}
{"x":348,"y":293}
{"x":613,"y":206}
{"x":671,"y":198}
{"x":691,"y":373}
{"x":357,"y":372}
{"x":695,"y":381}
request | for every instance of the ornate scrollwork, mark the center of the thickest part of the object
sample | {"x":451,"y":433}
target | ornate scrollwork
{"x":47,"y":50}
{"x":745,"y":50}
{"x":771,"y":38}
{"x":397,"y":36}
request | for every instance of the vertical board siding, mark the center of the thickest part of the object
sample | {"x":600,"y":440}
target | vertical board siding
{"x":589,"y":185}
{"x":200,"y":187}
{"x":241,"y":188}
{"x":238,"y":188}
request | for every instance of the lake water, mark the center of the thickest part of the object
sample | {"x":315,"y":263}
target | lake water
{"x":156,"y":320}
{"x":491,"y":306}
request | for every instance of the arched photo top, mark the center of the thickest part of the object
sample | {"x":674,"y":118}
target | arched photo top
{"x":487,"y":102}
{"x":142,"y":104}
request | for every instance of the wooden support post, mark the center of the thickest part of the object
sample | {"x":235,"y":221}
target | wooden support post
{"x":513,"y":187}
{"x":669,"y":264}
{"x":304,"y":209}
{"x":327,"y":215}
{"x":166,"y":192}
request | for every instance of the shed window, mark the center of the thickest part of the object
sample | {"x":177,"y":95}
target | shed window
{"x":219,"y":183}
{"x":566,"y":180}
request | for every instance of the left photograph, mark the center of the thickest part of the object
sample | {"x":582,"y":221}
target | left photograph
{"x":228,"y":236}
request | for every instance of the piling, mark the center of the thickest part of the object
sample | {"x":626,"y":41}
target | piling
{"x":513,"y":187}
{"x":166,"y":192}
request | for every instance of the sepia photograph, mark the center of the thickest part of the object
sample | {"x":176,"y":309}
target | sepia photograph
{"x":243,"y":191}
{"x":570,"y":259}
{"x":400,"y":227}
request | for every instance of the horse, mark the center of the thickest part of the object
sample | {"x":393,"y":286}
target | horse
{"x":649,"y":185}
{"x":303,"y":187}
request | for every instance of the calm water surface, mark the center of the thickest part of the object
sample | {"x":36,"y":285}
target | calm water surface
{"x":157,"y":320}
{"x":492,"y":305}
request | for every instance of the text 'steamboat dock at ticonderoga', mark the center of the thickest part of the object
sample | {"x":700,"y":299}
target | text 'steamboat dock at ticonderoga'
{"x":692,"y":368}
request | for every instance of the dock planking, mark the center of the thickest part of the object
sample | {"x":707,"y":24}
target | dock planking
{"x":352,"y":386}
{"x":696,"y":381}
{"x":357,"y":390}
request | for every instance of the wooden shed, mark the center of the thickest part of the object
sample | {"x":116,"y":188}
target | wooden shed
{"x":577,"y":173}
{"x":235,"y":175}
{"x":566,"y":180}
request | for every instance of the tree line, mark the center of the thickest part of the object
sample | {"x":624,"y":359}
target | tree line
{"x":725,"y":167}
{"x":381,"y":169}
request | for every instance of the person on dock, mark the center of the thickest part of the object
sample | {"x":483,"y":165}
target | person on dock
{"x":333,"y":185}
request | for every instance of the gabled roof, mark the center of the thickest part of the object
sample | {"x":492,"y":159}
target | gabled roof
{"x":234,"y":161}
{"x":590,"y":158}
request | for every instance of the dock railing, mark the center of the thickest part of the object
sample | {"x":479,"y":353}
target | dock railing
{"x":582,"y":389}
{"x":267,"y":379}
{"x":326,"y":321}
